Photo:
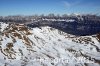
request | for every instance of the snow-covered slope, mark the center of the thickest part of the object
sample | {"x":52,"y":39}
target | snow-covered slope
{"x":46,"y":46}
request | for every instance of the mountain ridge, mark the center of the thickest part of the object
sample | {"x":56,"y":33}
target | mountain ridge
{"x":40,"y":46}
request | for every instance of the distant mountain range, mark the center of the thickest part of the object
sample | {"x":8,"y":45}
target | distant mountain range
{"x":51,"y":17}
{"x":72,"y":24}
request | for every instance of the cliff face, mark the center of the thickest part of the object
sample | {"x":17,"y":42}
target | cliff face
{"x":46,"y":46}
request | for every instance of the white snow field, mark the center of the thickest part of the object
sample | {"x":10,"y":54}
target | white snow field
{"x":46,"y":46}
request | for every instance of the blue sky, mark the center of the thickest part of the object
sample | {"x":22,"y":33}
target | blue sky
{"x":30,"y":7}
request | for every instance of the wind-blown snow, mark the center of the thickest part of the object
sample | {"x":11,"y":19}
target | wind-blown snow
{"x":3,"y":26}
{"x":46,"y":46}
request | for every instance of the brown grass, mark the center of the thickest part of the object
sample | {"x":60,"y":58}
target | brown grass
{"x":26,"y":40}
{"x":22,"y":28}
{"x":17,"y":35}
{"x":9,"y":45}
{"x":8,"y":51}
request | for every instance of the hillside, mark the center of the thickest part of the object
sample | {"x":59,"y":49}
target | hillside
{"x":46,"y":46}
